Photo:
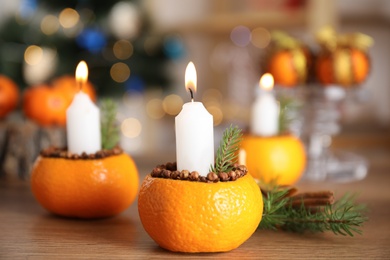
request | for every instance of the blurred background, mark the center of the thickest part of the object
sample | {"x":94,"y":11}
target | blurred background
{"x":137,"y":52}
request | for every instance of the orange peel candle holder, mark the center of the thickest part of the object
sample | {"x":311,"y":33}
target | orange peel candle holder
{"x":198,"y":215}
{"x":185,"y":211}
{"x":86,"y":186}
{"x":271,"y":156}
{"x":279,"y":158}
{"x":84,"y":181}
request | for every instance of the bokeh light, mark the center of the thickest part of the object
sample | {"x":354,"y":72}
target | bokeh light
{"x":240,"y":36}
{"x":261,"y":37}
{"x":92,"y":39}
{"x":174,"y":47}
{"x":50,"y":24}
{"x":154,"y":108}
{"x":27,"y":9}
{"x":131,"y":127}
{"x":212,"y":97}
{"x":33,"y":55}
{"x":120,"y":72}
{"x":124,"y":20}
{"x":122,"y":49}
{"x":69,"y":18}
{"x":217,"y":114}
{"x":172,"y":104}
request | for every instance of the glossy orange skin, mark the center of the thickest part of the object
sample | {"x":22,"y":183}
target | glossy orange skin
{"x":47,"y":105}
{"x":358,"y":66}
{"x":279,"y":158}
{"x":185,"y":216}
{"x":85,"y":188}
{"x":9,"y":96}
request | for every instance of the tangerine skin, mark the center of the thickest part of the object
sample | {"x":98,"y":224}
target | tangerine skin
{"x":185,"y":216}
{"x":357,"y":69}
{"x":280,"y":158}
{"x":9,"y":96}
{"x":282,"y":69}
{"x":47,"y":104}
{"x":85,"y":188}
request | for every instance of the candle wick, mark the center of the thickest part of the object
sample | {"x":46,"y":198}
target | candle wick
{"x":192,"y":95}
{"x":80,"y":84}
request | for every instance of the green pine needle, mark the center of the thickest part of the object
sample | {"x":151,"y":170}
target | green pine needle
{"x":343,"y":217}
{"x":109,"y":127}
{"x":288,"y":109}
{"x":227,"y":152}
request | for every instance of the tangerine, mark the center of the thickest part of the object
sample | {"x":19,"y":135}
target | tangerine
{"x":85,"y":188}
{"x":45,"y":105}
{"x":68,"y":86}
{"x":279,"y":158}
{"x":344,"y":66}
{"x":186,"y":216}
{"x":9,"y":95}
{"x":289,"y":67}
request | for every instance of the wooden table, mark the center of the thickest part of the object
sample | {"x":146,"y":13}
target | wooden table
{"x":29,"y":232}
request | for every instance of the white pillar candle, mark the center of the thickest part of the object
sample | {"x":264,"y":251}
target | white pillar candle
{"x":265,"y":110}
{"x":194,"y":132}
{"x":83,"y":119}
{"x":242,"y":157}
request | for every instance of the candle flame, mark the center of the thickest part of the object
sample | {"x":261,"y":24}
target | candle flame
{"x":81,"y":73}
{"x":190,"y":77}
{"x":266,"y":81}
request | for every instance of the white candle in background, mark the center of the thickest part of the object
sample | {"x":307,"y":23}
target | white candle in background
{"x":242,"y":157}
{"x":83,"y":119}
{"x":265,"y":110}
{"x":194,"y":132}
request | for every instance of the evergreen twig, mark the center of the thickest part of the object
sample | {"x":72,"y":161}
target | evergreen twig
{"x":227,"y":152}
{"x":109,"y":127}
{"x":343,"y":217}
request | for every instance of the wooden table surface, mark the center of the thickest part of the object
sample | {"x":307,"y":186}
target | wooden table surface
{"x":29,"y":232}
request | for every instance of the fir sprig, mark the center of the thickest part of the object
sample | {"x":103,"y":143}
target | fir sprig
{"x":109,"y":127}
{"x":343,"y":217}
{"x":288,"y":112}
{"x":227,"y":152}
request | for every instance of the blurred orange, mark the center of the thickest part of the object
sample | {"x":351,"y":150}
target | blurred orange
{"x":68,"y":86}
{"x":85,"y":188}
{"x":9,"y":95}
{"x":279,"y":158}
{"x":47,"y":105}
{"x":289,"y":67}
{"x":344,"y":66}
{"x":188,"y":216}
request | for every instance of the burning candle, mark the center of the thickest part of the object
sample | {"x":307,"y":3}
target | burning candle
{"x":83,"y":119}
{"x":194,"y":132}
{"x":265,"y":110}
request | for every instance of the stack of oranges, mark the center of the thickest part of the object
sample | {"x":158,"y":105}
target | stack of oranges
{"x":47,"y":104}
{"x":342,"y":59}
